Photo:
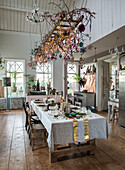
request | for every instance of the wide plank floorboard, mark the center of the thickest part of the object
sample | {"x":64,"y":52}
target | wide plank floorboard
{"x":16,"y":152}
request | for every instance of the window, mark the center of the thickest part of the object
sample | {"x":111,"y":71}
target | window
{"x":72,"y":68}
{"x":44,"y":73}
{"x":15,"y":70}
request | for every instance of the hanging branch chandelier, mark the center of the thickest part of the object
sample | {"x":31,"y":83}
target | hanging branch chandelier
{"x":66,"y":36}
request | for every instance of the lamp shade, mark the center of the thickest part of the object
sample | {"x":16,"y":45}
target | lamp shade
{"x":6,"y":81}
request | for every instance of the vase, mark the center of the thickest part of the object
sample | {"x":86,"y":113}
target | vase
{"x":14,"y":89}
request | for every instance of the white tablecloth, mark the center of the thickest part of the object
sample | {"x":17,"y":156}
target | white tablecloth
{"x":61,"y":130}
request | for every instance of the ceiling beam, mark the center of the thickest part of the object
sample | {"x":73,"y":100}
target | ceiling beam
{"x":15,"y":9}
{"x":18,"y":9}
{"x":18,"y":32}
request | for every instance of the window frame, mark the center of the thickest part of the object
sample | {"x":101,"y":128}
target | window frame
{"x":17,"y":60}
{"x":45,"y":73}
{"x":77,"y":72}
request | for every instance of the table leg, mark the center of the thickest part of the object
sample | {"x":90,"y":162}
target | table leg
{"x":91,"y":152}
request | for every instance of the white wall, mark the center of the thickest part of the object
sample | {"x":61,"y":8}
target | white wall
{"x":17,"y":46}
{"x":110,"y":16}
{"x":102,"y":85}
{"x":58,"y":74}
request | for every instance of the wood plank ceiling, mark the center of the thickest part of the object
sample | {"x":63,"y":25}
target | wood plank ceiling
{"x":13,"y":14}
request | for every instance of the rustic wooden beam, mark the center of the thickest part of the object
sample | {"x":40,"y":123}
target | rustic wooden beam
{"x":59,"y":22}
{"x":59,"y":27}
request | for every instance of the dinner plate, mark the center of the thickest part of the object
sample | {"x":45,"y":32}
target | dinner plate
{"x":41,"y":105}
{"x":38,"y":102}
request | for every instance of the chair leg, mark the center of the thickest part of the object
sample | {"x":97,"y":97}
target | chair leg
{"x":29,"y":135}
{"x":26,"y":123}
{"x":113,"y":117}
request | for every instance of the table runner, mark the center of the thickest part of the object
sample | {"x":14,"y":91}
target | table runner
{"x":61,"y":130}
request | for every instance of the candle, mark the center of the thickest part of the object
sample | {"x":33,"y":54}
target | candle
{"x":60,"y":98}
{"x":66,"y":99}
{"x":55,"y":95}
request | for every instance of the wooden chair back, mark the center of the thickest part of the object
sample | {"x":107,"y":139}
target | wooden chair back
{"x":70,"y":101}
{"x":24,"y":106}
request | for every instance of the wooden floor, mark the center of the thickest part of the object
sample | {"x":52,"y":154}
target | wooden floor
{"x":16,"y":152}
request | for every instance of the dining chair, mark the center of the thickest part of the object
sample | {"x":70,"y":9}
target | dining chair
{"x":28,"y":107}
{"x":34,"y":117}
{"x":38,"y":134}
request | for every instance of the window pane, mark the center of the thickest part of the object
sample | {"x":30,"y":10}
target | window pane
{"x":10,"y":66}
{"x":39,"y":67}
{"x":71,"y":68}
{"x":43,"y":68}
{"x":19,"y":66}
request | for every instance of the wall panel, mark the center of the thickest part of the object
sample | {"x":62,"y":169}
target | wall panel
{"x":109,"y":16}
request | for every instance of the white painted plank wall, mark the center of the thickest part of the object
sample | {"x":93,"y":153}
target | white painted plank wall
{"x":110,"y":16}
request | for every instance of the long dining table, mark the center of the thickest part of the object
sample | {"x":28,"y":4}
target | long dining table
{"x":73,"y":133}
